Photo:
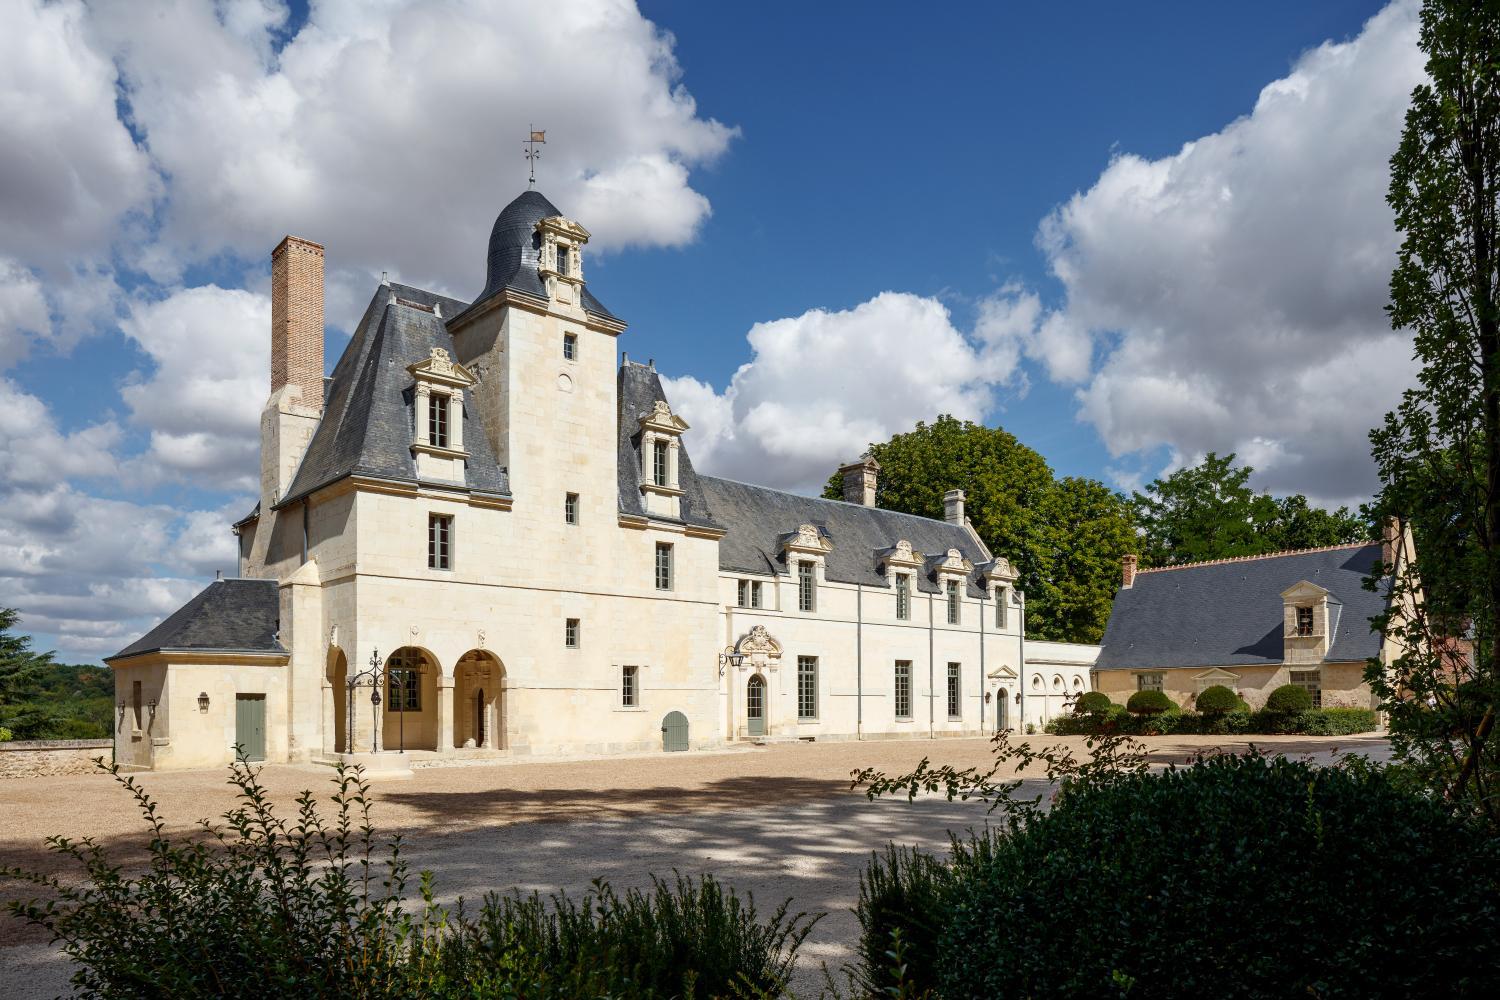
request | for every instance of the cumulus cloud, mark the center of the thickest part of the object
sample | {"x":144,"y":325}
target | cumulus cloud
{"x":821,"y":386}
{"x":35,"y":453}
{"x":1229,"y":297}
{"x":202,"y":401}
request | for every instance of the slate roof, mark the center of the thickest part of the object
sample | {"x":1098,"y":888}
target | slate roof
{"x":1225,"y":614}
{"x":639,"y":389}
{"x":232,"y":616}
{"x":757,"y":518}
{"x":514,"y":254}
{"x":367,"y":420}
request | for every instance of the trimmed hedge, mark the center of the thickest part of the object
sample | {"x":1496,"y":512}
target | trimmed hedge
{"x":1092,"y":702}
{"x":1289,"y":698}
{"x":1327,"y":882}
{"x":1318,"y":722}
{"x":1217,"y":700}
{"x":1149,"y":703}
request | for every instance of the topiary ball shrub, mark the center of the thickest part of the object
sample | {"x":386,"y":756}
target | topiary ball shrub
{"x":1092,"y":703}
{"x":1149,"y":703}
{"x":1353,"y":888}
{"x":1217,"y":700}
{"x":1289,"y":699}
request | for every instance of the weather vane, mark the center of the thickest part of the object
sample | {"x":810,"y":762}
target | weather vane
{"x":532,"y":153}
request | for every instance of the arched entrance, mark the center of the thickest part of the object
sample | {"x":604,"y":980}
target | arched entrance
{"x":338,"y":690}
{"x":478,"y":701}
{"x":1002,"y":710}
{"x":755,"y":705}
{"x":409,"y":701}
{"x":674,"y":732}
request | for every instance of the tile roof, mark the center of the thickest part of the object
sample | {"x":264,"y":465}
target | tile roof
{"x":367,"y":419}
{"x":639,"y":389}
{"x":238,"y":616}
{"x":514,"y":254}
{"x":1229,"y":612}
{"x":757,"y":518}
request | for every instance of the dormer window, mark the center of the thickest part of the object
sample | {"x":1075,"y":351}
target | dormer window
{"x":660,"y":451}
{"x":438,"y":404}
{"x":562,"y":260}
{"x":659,"y":463}
{"x":1305,"y":621}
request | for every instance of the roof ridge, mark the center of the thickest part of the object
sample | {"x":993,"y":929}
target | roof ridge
{"x":1261,"y":555}
{"x":842,"y":503}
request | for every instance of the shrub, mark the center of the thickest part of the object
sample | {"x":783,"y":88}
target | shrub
{"x":1288,"y":700}
{"x":1092,"y":702}
{"x":1149,"y":703}
{"x":1025,"y":908}
{"x":902,"y":897}
{"x":1217,"y":700}
{"x":5,"y":735}
{"x":266,"y":907}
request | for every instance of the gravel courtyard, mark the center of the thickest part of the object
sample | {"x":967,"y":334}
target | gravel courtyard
{"x":777,"y":821}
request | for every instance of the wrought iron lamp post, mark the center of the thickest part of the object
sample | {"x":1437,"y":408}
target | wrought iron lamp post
{"x":729,"y":658}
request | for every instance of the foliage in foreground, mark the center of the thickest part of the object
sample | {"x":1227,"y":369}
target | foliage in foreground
{"x":266,"y":907}
{"x":1236,"y":876}
{"x":1239,"y":722}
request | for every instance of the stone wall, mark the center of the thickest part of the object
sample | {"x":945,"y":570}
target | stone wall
{"x":44,"y":758}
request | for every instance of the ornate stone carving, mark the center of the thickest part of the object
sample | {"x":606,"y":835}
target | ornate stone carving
{"x":954,"y":562}
{"x":479,"y":640}
{"x":440,"y":363}
{"x":758,"y":642}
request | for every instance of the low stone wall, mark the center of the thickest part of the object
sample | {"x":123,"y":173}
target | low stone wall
{"x":43,"y":758}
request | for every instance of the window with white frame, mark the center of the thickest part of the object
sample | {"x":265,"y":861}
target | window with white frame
{"x":903,"y":597}
{"x":1310,"y":681}
{"x":437,"y":420}
{"x":439,"y":541}
{"x":571,"y":633}
{"x":755,"y":593}
{"x":629,"y":686}
{"x":953,"y":602}
{"x":903,"y":689}
{"x":570,"y":347}
{"x":659,"y":463}
{"x":570,"y":508}
{"x":1149,"y":682}
{"x":955,"y":690}
{"x":1002,"y":598}
{"x":807,"y":687}
{"x":563,"y":260}
{"x":748,"y":594}
{"x":807,"y":586}
{"x":663,"y":565}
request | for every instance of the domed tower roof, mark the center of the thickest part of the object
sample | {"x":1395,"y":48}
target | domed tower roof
{"x":515,"y":247}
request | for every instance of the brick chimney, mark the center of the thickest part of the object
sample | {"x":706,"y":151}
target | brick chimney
{"x":297,"y":320}
{"x":1127,"y":571}
{"x":953,"y":507}
{"x":860,"y":479}
{"x":1390,"y":539}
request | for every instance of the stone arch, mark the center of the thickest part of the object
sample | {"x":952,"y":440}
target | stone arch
{"x":337,"y":741}
{"x":410,"y":706}
{"x":479,"y":701}
{"x":1002,"y":709}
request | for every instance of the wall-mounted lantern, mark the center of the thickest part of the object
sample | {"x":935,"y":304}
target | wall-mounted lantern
{"x":152,"y":706}
{"x":203,"y":701}
{"x":730,"y":658}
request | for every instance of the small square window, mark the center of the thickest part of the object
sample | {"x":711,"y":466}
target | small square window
{"x":570,"y":633}
{"x":570,"y":347}
{"x":570,"y":509}
{"x":1304,"y":621}
{"x":1149,"y":682}
{"x":439,"y":541}
{"x":628,"y":691}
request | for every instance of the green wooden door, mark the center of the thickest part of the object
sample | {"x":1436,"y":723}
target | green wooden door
{"x":250,"y":725}
{"x":755,"y":705}
{"x":674,"y":732}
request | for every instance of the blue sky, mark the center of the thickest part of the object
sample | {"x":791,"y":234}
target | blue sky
{"x":1127,"y":233}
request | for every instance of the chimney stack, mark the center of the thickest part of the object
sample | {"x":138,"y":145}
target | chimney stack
{"x":953,"y":507}
{"x":860,"y":479}
{"x":297,"y":320}
{"x":1390,"y":538}
{"x":1127,"y":571}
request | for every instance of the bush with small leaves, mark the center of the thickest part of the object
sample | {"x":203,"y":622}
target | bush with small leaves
{"x":1150,"y":703}
{"x":1092,"y":703}
{"x":1289,"y":699}
{"x":1217,"y":700}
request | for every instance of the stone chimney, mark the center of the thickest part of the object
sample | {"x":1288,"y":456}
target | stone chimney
{"x":860,"y":479}
{"x":1127,"y":571}
{"x":296,"y":404}
{"x":1390,"y":539}
{"x":953,"y":507}
{"x":297,"y":320}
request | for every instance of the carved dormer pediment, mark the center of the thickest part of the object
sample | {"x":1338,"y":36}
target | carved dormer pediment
{"x":952,"y":563}
{"x":662,"y":420}
{"x":758,"y":643}
{"x":899,"y":556}
{"x":439,"y":368}
{"x":806,"y":540}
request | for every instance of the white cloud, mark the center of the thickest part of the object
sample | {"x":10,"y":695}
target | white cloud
{"x":34,"y":453}
{"x":1231,"y":294}
{"x":823,"y":385}
{"x":202,"y":401}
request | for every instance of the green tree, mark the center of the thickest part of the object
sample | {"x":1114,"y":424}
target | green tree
{"x":1439,"y":452}
{"x":21,"y":669}
{"x":1209,"y":511}
{"x":1065,"y":539}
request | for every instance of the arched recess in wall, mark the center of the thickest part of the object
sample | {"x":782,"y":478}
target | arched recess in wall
{"x":338,"y":680}
{"x":479,"y":701}
{"x":409,"y":701}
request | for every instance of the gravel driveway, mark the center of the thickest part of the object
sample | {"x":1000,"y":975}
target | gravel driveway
{"x":777,"y":821}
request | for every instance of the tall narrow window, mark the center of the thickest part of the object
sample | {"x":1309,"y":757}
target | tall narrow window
{"x":1304,"y":621}
{"x":953,"y":602}
{"x":807,"y":587}
{"x":663,"y":566}
{"x":903,"y":689}
{"x":807,"y":687}
{"x":437,"y":420}
{"x":659,"y":463}
{"x":563,"y":260}
{"x":570,"y":347}
{"x":439,"y":541}
{"x":955,"y":702}
{"x":1002,"y":597}
{"x":135,"y":703}
{"x":628,"y":692}
{"x":570,"y":633}
{"x":570,"y":508}
{"x":404,"y":674}
{"x":903,"y":596}
{"x":755,"y":593}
